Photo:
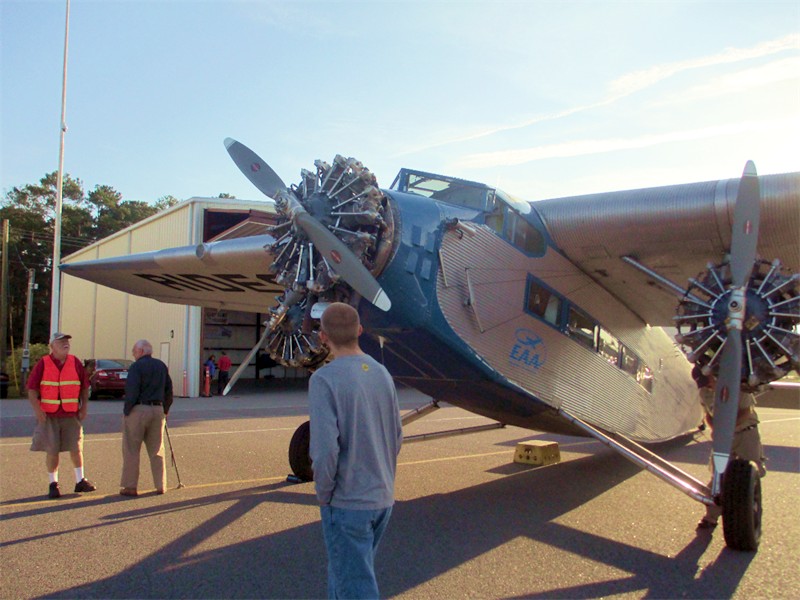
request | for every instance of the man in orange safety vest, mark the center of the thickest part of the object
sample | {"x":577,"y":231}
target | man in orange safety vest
{"x":58,"y":390}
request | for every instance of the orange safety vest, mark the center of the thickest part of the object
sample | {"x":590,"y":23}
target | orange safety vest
{"x":60,"y":387}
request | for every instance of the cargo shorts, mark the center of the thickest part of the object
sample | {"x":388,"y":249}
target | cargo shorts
{"x":58,"y":434}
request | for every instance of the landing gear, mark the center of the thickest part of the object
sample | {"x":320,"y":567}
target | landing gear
{"x":741,"y":505}
{"x":299,"y":459}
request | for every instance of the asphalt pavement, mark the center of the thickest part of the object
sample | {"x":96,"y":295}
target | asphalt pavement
{"x":468,"y":523}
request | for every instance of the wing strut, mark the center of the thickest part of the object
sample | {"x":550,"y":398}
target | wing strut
{"x":647,"y":460}
{"x":427,"y":409}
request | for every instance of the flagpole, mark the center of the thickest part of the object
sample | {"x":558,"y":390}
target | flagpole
{"x":55,"y":294}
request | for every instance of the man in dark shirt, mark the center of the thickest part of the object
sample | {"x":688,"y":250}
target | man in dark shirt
{"x":148,"y":397}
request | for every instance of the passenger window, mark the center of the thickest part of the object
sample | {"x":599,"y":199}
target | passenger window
{"x":630,"y":362}
{"x":543,"y":303}
{"x":645,"y":377}
{"x":581,"y":328}
{"x":546,"y":305}
{"x":609,"y":347}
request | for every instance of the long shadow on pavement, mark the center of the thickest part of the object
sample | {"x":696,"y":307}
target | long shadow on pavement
{"x":428,"y":537}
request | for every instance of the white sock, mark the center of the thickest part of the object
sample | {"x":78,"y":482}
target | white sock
{"x":53,"y":477}
{"x":78,"y":474}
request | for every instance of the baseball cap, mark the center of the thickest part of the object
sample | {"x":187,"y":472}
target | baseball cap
{"x":59,"y":336}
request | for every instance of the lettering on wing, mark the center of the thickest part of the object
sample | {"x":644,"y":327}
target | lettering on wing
{"x":217,"y":282}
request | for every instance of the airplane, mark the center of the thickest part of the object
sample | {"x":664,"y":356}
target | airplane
{"x":552,"y":315}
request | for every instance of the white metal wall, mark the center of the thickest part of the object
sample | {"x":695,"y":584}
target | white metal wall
{"x":105,"y":323}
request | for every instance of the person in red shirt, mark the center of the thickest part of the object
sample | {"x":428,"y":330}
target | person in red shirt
{"x":224,"y":368}
{"x":58,"y":391}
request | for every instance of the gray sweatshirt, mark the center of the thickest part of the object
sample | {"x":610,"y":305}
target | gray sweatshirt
{"x":355,"y":433}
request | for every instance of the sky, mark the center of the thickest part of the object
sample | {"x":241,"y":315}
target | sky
{"x":542,"y":99}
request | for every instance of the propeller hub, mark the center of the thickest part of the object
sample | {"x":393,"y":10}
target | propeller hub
{"x":319,"y":206}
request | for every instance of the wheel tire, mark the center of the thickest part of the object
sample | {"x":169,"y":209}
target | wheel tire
{"x":92,"y":394}
{"x":741,"y":505}
{"x":299,"y":459}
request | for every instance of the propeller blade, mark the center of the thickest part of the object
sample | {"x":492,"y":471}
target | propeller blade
{"x":744,"y":240}
{"x":245,"y":363}
{"x":726,"y":405}
{"x":746,"y":217}
{"x":255,"y":169}
{"x":343,"y":261}
{"x":338,"y":255}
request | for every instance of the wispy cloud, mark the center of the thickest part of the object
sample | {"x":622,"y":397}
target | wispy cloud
{"x":639,"y":80}
{"x":584,"y":147}
{"x":629,"y":84}
{"x":736,"y":83}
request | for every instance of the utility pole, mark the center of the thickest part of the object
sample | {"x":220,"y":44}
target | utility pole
{"x":4,"y":298}
{"x":26,"y":342}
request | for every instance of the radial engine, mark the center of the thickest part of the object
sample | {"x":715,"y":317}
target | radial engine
{"x":771,"y":324}
{"x":343,"y":197}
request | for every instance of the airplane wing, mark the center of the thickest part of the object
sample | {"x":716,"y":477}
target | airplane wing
{"x":673,"y":230}
{"x":232,"y":274}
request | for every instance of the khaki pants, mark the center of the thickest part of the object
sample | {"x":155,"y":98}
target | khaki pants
{"x":144,"y":424}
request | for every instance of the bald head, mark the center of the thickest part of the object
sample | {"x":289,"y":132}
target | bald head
{"x":341,"y":325}
{"x":142,"y":348}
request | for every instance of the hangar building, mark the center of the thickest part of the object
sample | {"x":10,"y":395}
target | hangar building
{"x":105,"y":322}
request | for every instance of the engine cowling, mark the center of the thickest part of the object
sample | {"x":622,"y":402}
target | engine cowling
{"x":771,"y":344}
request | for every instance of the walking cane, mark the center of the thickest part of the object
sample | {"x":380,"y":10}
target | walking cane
{"x":172,"y":453}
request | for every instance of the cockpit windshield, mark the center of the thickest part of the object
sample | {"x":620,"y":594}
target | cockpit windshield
{"x":508,"y":216}
{"x":461,"y":192}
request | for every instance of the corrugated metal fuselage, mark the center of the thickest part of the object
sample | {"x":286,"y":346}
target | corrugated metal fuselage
{"x":463,"y":346}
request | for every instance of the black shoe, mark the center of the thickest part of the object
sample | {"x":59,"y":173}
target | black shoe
{"x":54,"y":491}
{"x":84,"y":485}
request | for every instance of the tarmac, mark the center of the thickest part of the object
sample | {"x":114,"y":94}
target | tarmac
{"x":468,"y":522}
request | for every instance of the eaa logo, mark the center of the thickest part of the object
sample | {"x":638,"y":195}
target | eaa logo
{"x":529,"y":351}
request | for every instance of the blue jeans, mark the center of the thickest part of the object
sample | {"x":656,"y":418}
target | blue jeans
{"x":351,"y":539}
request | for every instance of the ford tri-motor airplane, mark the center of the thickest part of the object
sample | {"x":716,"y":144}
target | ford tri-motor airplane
{"x":544,"y":315}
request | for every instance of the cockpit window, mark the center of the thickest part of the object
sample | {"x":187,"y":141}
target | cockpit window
{"x":446,"y":189}
{"x":501,"y":210}
{"x":525,"y":236}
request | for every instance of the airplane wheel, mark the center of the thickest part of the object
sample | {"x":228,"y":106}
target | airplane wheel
{"x":741,"y":505}
{"x":299,"y":460}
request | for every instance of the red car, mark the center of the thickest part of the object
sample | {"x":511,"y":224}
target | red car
{"x":107,"y":376}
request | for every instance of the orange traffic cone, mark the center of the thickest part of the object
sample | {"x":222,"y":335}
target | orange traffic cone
{"x":207,"y":384}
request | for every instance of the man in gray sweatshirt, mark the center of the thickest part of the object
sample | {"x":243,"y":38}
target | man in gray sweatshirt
{"x":355,"y":439}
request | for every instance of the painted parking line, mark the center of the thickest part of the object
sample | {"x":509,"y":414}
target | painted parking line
{"x":272,"y":479}
{"x":93,"y":439}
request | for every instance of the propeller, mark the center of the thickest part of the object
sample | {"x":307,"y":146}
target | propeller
{"x":336,"y":253}
{"x":246,"y":362}
{"x":256,"y":170}
{"x":746,"y":216}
